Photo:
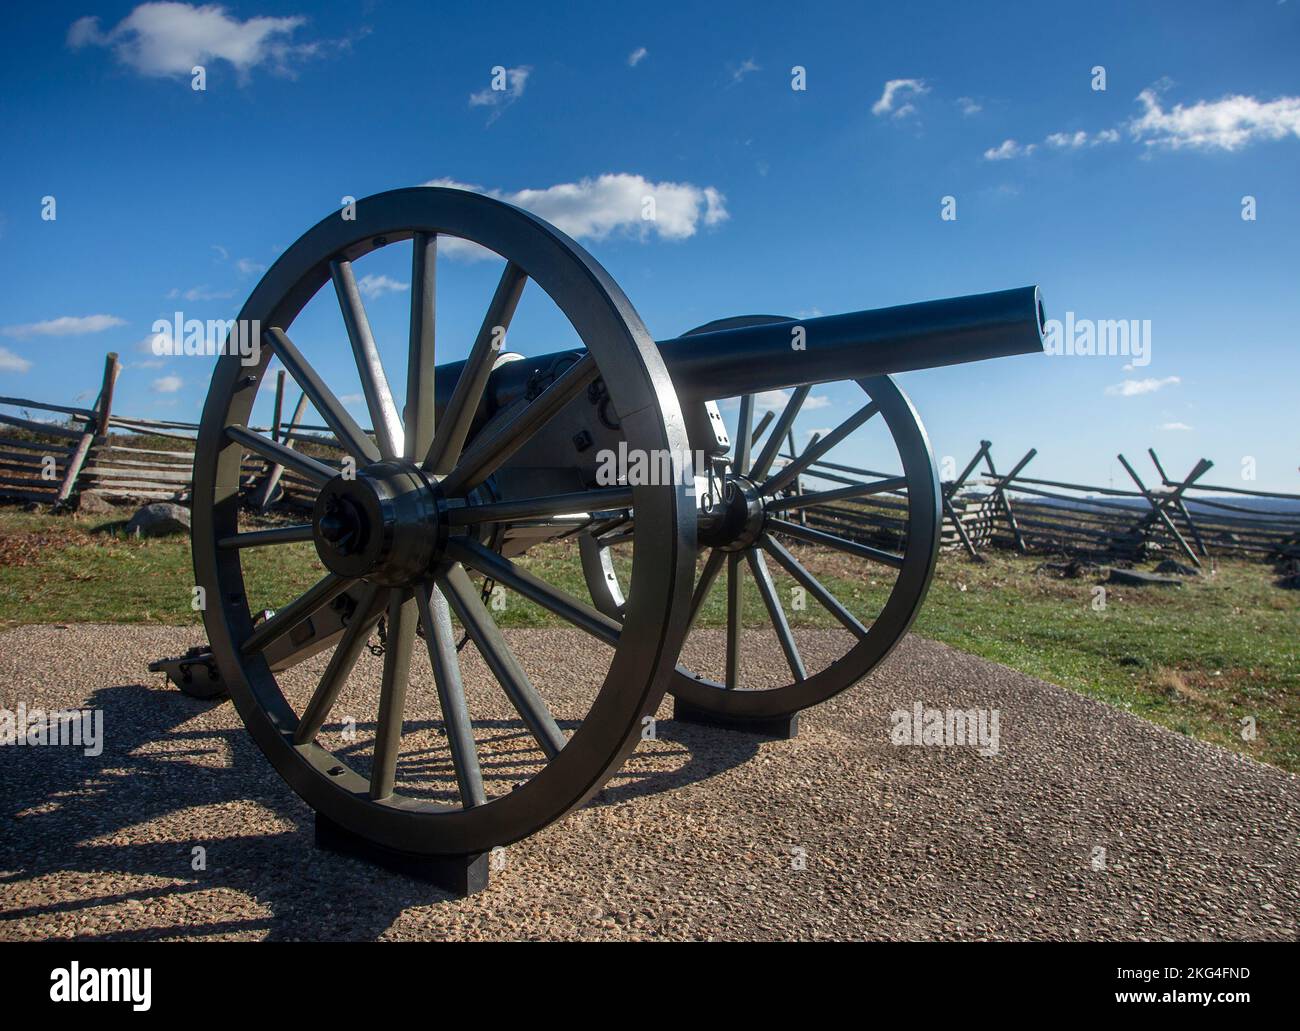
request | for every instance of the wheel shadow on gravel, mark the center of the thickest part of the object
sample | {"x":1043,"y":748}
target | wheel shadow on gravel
{"x":683,"y":754}
{"x":64,"y":811}
{"x":704,"y":753}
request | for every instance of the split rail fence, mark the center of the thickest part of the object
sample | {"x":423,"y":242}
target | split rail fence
{"x":1181,"y":518}
{"x":94,"y":451}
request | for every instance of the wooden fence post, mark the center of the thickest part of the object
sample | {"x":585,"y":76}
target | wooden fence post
{"x":96,"y":426}
{"x":1157,"y":512}
{"x":950,"y":490}
{"x":1200,"y":469}
{"x":275,"y":470}
{"x":279,"y":406}
{"x":1000,"y":492}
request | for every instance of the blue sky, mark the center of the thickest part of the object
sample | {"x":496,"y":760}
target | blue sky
{"x":1122,"y":204}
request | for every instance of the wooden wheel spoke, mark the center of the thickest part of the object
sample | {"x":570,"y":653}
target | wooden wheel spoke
{"x":780,"y":431}
{"x":276,"y":469}
{"x":436,"y":620}
{"x":318,"y":472}
{"x":487,"y":637}
{"x":812,"y":585}
{"x":418,"y":421}
{"x":341,"y":663}
{"x":449,"y":441}
{"x":536,"y":590}
{"x":261,"y":538}
{"x":374,"y":384}
{"x":734,"y":602}
{"x":744,"y":434}
{"x":350,"y":435}
{"x":489,"y":452}
{"x":780,"y":624}
{"x":400,"y":641}
{"x":710,"y":573}
{"x":825,"y":497}
{"x":606,"y":499}
{"x":829,"y":540}
{"x":288,"y":617}
{"x":818,"y":447}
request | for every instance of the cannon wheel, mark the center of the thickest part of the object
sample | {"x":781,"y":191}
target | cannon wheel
{"x":389,"y":534}
{"x":772,"y":531}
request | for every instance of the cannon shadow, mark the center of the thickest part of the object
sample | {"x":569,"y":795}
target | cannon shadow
{"x":65,"y":811}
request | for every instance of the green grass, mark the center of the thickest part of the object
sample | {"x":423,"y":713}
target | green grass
{"x":1197,"y":659}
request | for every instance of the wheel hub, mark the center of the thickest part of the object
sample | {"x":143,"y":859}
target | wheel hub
{"x":737,"y":522}
{"x":383,"y":524}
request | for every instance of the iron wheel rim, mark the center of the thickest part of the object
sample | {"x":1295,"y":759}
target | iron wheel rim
{"x":637,"y":380}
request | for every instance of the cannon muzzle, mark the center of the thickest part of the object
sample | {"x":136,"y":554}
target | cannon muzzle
{"x":727,"y":362}
{"x":778,"y":355}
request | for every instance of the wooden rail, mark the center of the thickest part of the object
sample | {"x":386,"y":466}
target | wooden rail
{"x":1185,"y":519}
{"x":90,"y":451}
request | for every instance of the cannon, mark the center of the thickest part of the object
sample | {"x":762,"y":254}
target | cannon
{"x":489,"y":458}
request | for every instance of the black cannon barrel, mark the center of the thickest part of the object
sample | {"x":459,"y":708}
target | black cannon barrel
{"x":727,"y":362}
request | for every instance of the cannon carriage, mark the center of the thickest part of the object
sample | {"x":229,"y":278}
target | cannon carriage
{"x":485,"y":459}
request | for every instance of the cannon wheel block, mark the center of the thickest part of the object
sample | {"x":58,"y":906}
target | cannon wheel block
{"x":780,"y":728}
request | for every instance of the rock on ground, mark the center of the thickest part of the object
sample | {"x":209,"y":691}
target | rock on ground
{"x":160,"y":519}
{"x":1177,"y":568}
{"x":95,"y":504}
{"x":1140,"y":578}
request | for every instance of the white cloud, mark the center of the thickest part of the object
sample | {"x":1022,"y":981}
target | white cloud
{"x":1227,"y":124}
{"x":376,"y":286}
{"x":1134,"y":387}
{"x":776,"y":400}
{"x":1176,"y":426}
{"x":899,"y":89}
{"x":353,"y":399}
{"x":739,"y":71}
{"x":165,"y":39}
{"x":1076,"y":140}
{"x":773,"y":400}
{"x":68,"y":325}
{"x":168,"y":384}
{"x":10,"y":362}
{"x":592,"y":209}
{"x":1064,"y":139}
{"x":1071,"y":140}
{"x":636,"y":56}
{"x":1009,"y":149}
{"x":199,"y":293}
{"x":249,"y":267}
{"x":969,"y":106}
{"x":515,"y":79}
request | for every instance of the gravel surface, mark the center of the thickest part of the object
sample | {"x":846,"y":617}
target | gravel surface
{"x":700,"y":837}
